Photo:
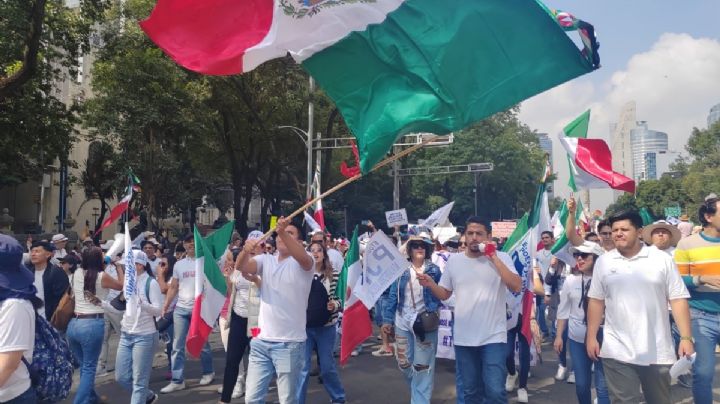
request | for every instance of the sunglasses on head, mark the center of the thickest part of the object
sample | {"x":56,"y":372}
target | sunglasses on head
{"x":581,"y":255}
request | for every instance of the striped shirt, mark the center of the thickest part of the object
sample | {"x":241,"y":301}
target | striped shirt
{"x":699,"y":255}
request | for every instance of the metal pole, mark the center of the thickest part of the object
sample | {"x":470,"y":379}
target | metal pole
{"x":475,"y":191}
{"x":318,"y":165}
{"x":396,"y":181}
{"x":62,"y":208}
{"x":311,"y":112}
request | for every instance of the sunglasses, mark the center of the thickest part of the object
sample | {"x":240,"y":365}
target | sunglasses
{"x":416,"y":245}
{"x":581,"y":255}
{"x":463,"y":244}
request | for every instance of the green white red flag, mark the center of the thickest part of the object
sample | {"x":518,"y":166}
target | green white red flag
{"x":210,"y":286}
{"x":392,"y":67}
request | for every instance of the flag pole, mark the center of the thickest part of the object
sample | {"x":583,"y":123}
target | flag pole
{"x":355,"y":178}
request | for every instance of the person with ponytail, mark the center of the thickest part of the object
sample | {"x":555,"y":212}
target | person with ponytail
{"x":90,"y":285}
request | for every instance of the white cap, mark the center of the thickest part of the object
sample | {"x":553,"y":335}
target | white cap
{"x":59,"y":238}
{"x":587,"y":247}
{"x":139,"y":257}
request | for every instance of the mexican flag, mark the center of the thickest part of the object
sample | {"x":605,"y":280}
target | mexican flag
{"x":356,"y":326}
{"x":561,"y":248}
{"x":210,"y":286}
{"x":392,"y":67}
{"x":522,"y":247}
{"x":318,"y":215}
{"x":122,"y":206}
{"x":590,"y":160}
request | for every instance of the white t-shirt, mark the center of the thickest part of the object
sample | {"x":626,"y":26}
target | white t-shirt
{"x":242,"y":293}
{"x":143,"y":322}
{"x":570,"y":308}
{"x":336,"y":259}
{"x":17,"y":334}
{"x":111,"y":270}
{"x":543,"y":261}
{"x":184,"y":272}
{"x":284,"y":295}
{"x":40,"y":290}
{"x":636,"y":292}
{"x":480,"y":297}
{"x":405,"y":315}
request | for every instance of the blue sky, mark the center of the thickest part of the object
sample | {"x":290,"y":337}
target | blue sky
{"x":663,"y":55}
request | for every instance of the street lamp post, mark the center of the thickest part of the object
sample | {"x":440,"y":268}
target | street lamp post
{"x":307,"y":139}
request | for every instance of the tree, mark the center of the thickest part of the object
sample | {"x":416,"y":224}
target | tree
{"x":703,"y":173}
{"x":100,"y":178}
{"x":624,"y":202}
{"x":39,"y":47}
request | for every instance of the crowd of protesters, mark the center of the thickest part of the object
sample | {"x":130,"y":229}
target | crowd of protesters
{"x":282,"y":311}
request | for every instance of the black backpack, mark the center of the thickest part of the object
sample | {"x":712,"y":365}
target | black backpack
{"x":317,"y":313}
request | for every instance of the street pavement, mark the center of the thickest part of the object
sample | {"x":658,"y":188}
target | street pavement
{"x":367,"y":379}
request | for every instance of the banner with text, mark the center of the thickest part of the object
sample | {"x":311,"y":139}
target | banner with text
{"x":382,"y":265}
{"x":503,"y":229}
{"x":396,"y":217}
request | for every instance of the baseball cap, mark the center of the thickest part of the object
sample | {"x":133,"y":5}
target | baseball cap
{"x":587,"y":247}
{"x":58,"y":238}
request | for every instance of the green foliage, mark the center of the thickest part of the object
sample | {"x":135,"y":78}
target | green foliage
{"x":39,"y":48}
{"x":624,"y":202}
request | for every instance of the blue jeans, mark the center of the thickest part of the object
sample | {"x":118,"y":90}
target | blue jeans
{"x":540,"y":315}
{"x":459,"y":391}
{"x":181,"y":322}
{"x":483,"y":372}
{"x":134,"y":363}
{"x":706,"y":331}
{"x":85,"y":336}
{"x":562,"y":357}
{"x":324,"y":337}
{"x":416,"y":360}
{"x":582,"y":366}
{"x":268,"y":359}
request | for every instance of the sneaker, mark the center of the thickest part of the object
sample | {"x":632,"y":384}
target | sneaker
{"x":172,"y":387}
{"x":382,"y":352}
{"x":522,"y":396}
{"x":220,"y":390}
{"x":571,"y":378}
{"x":685,"y":380}
{"x":355,"y":353}
{"x":238,"y":391}
{"x":207,"y":379}
{"x":152,"y":399}
{"x":561,"y":373}
{"x":510,"y":382}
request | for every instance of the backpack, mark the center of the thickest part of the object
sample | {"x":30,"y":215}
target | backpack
{"x":51,"y":371}
{"x":317,"y":313}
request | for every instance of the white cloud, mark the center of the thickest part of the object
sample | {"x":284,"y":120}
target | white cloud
{"x":674,"y":84}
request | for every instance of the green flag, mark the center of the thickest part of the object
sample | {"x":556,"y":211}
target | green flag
{"x":352,"y":264}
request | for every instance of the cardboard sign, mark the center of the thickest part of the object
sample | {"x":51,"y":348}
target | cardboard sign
{"x":396,"y":217}
{"x":503,"y":229}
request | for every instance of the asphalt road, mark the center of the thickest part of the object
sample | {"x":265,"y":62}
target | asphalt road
{"x":367,"y":379}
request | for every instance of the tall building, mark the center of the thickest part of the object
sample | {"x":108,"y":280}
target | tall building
{"x":645,"y":144}
{"x":547,"y":146}
{"x":621,"y":144}
{"x":714,"y":115}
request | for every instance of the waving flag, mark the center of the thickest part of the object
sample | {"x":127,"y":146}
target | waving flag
{"x":122,"y":206}
{"x":130,"y":286}
{"x":590,"y":160}
{"x":318,"y":214}
{"x":356,"y":326}
{"x":210,"y":286}
{"x":392,"y":67}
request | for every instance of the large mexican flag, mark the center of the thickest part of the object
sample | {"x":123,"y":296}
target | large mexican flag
{"x":392,"y":67}
{"x":210,"y":286}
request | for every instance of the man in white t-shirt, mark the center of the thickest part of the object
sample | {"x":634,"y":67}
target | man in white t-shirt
{"x":17,"y":334}
{"x":149,"y":247}
{"x":279,"y":346}
{"x":631,"y":287}
{"x":479,"y":279}
{"x":182,"y":285}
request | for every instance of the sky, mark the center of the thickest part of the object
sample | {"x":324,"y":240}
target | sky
{"x":664,"y":55}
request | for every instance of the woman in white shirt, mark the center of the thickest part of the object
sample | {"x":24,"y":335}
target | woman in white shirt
{"x":139,"y":336}
{"x":572,"y":312}
{"x":87,"y":327}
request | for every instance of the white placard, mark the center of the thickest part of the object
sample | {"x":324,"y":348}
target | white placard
{"x":439,"y":217}
{"x":396,"y":217}
{"x":382,"y":265}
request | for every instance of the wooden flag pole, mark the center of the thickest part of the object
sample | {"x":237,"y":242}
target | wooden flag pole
{"x":355,"y":178}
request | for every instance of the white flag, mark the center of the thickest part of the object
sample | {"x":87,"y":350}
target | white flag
{"x":382,"y":265}
{"x":439,"y":217}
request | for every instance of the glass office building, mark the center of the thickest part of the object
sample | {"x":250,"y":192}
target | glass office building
{"x":645,"y":141}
